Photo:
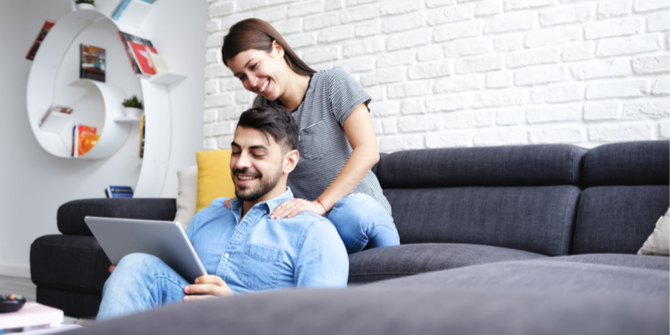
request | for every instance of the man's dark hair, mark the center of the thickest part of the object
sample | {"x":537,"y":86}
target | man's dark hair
{"x":276,"y":121}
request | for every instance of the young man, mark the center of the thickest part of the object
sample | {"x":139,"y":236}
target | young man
{"x":241,"y":247}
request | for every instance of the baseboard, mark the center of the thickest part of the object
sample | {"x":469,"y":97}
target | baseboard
{"x":15,"y":270}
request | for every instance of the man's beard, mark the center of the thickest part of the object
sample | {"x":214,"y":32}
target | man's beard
{"x":266,"y":185}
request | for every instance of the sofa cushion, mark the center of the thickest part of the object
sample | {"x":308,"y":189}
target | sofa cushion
{"x":395,"y":312}
{"x":527,"y":165}
{"x":631,"y":261}
{"x":186,"y":195}
{"x":409,"y":259}
{"x":628,"y":163}
{"x":69,"y":262}
{"x":71,"y":214}
{"x":617,"y":219}
{"x":535,"y":219}
{"x":543,"y":276}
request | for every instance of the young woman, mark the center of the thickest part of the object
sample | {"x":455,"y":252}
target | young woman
{"x":337,"y":145}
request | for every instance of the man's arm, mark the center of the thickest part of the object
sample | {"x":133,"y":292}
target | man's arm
{"x":322,"y":260}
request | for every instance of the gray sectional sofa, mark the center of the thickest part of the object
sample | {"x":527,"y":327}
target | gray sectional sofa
{"x":538,"y":239}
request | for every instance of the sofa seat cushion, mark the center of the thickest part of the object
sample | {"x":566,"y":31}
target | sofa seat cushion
{"x":69,"y":262}
{"x":409,"y":259}
{"x":544,"y":276}
{"x":632,"y":261}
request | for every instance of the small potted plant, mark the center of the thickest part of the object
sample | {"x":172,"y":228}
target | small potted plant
{"x":85,"y":4}
{"x":133,"y":107}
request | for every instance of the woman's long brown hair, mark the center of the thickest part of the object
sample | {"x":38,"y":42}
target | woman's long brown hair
{"x":258,"y":34}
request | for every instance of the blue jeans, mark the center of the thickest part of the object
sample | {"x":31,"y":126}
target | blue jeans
{"x":362,"y":221}
{"x":138,"y":283}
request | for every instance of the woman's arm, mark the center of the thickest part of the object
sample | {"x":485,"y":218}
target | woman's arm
{"x":361,"y":135}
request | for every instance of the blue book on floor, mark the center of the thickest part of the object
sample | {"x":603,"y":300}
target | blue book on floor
{"x":113,"y":191}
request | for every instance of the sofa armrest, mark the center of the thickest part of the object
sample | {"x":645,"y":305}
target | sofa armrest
{"x":71,"y":214}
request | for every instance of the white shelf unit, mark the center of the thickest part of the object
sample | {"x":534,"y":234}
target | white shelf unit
{"x":43,"y":82}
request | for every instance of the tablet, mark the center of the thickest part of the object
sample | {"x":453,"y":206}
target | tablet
{"x":163,"y":239}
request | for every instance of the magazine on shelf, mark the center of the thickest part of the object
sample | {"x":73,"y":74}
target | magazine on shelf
{"x":84,"y":138}
{"x":142,"y":132}
{"x":114,"y":191}
{"x":40,"y":37}
{"x":140,"y":53}
{"x":116,"y":15}
{"x":55,"y":118}
{"x":158,"y":63}
{"x":125,"y":38}
{"x":92,"y":62}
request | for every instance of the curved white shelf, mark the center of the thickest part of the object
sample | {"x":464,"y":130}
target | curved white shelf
{"x":113,"y":134}
{"x":126,"y":119}
{"x":41,"y":90}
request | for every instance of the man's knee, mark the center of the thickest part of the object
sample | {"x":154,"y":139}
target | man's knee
{"x":137,"y":262}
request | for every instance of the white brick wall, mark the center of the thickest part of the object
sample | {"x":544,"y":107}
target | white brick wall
{"x":456,"y":73}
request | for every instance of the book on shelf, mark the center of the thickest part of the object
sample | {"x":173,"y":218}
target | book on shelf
{"x":84,"y":138}
{"x":142,"y":134}
{"x":113,"y":191}
{"x":158,"y":63}
{"x":30,"y":317}
{"x":40,"y":37}
{"x":55,"y":118}
{"x":116,"y":14}
{"x":125,"y":39}
{"x":140,"y":53}
{"x":92,"y":62}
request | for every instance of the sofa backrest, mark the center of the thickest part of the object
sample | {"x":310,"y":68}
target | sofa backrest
{"x":521,"y":197}
{"x":625,"y":192}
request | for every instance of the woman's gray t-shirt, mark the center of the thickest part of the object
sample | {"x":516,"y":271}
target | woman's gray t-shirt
{"x":324,"y":149}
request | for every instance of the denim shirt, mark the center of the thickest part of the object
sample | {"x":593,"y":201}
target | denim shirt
{"x":258,"y":253}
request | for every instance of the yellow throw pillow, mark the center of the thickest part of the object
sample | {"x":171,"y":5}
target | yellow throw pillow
{"x":214,"y":180}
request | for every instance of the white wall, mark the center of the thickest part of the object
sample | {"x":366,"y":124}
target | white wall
{"x":34,"y":183}
{"x":459,"y":73}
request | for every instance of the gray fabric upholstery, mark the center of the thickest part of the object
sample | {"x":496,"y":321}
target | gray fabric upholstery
{"x":535,"y":219}
{"x":528,"y":165}
{"x":73,"y":304}
{"x":543,"y":276}
{"x":479,"y":221}
{"x":409,"y":259}
{"x":69,"y":262}
{"x":629,"y":163}
{"x":617,"y":219}
{"x":398,"y":312}
{"x":632,"y":261}
{"x":71,"y":214}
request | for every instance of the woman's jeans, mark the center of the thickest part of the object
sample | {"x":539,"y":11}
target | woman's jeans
{"x":362,"y":221}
